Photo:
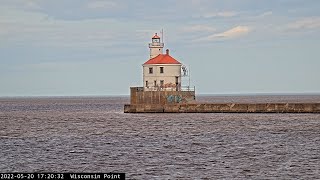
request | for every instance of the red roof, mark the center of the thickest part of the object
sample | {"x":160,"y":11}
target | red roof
{"x":162,"y":59}
{"x":156,"y":36}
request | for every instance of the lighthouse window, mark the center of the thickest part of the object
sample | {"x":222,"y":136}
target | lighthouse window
{"x":161,"y":70}
{"x":150,"y":70}
{"x":161,"y":83}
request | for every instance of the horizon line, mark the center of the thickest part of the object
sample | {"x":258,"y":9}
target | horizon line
{"x":200,"y":94}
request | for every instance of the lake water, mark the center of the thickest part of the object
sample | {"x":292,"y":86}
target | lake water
{"x":92,"y":134}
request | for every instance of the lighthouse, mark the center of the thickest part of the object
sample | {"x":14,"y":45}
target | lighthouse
{"x":161,"y":72}
{"x":156,"y":47}
{"x":161,"y":88}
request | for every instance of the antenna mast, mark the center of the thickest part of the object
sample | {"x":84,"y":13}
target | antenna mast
{"x":162,"y":35}
{"x":189,"y":77}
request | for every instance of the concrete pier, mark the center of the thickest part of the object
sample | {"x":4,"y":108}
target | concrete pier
{"x":224,"y":108}
{"x":185,"y":102}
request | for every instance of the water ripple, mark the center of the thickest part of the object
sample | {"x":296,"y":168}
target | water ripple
{"x":93,"y":135}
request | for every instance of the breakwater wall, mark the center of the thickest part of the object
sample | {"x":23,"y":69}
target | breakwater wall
{"x":224,"y":108}
{"x":139,"y":96}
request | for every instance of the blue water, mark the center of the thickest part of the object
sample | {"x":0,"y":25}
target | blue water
{"x":92,"y":134}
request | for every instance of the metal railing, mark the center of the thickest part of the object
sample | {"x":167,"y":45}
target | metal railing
{"x":188,"y":88}
{"x":165,"y":88}
{"x":156,"y":44}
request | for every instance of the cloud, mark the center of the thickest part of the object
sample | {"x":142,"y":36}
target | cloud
{"x":305,"y":23}
{"x":268,"y":13}
{"x":26,"y":5}
{"x":229,"y":34}
{"x":37,"y":28}
{"x":101,"y":4}
{"x":223,"y":14}
{"x":198,"y":28}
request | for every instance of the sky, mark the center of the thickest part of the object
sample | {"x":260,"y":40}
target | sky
{"x":97,"y":47}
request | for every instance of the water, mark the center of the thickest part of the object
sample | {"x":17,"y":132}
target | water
{"x":92,"y":134}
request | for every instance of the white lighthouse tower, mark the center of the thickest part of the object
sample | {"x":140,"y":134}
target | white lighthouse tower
{"x":156,"y":47}
{"x":161,"y":72}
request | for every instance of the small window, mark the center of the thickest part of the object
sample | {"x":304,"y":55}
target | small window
{"x":161,"y":70}
{"x":147,"y":84}
{"x":155,"y":83}
{"x":150,"y":70}
{"x":161,"y":83}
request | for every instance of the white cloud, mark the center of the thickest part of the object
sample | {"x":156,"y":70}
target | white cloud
{"x":229,"y":34}
{"x":305,"y":23}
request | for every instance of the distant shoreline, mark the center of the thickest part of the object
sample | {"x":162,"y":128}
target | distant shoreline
{"x":198,"y":95}
{"x":263,"y":94}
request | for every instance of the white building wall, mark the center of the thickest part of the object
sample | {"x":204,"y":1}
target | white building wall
{"x":171,"y":71}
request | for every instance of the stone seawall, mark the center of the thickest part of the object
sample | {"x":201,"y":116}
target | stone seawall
{"x":224,"y":108}
{"x":139,"y":96}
